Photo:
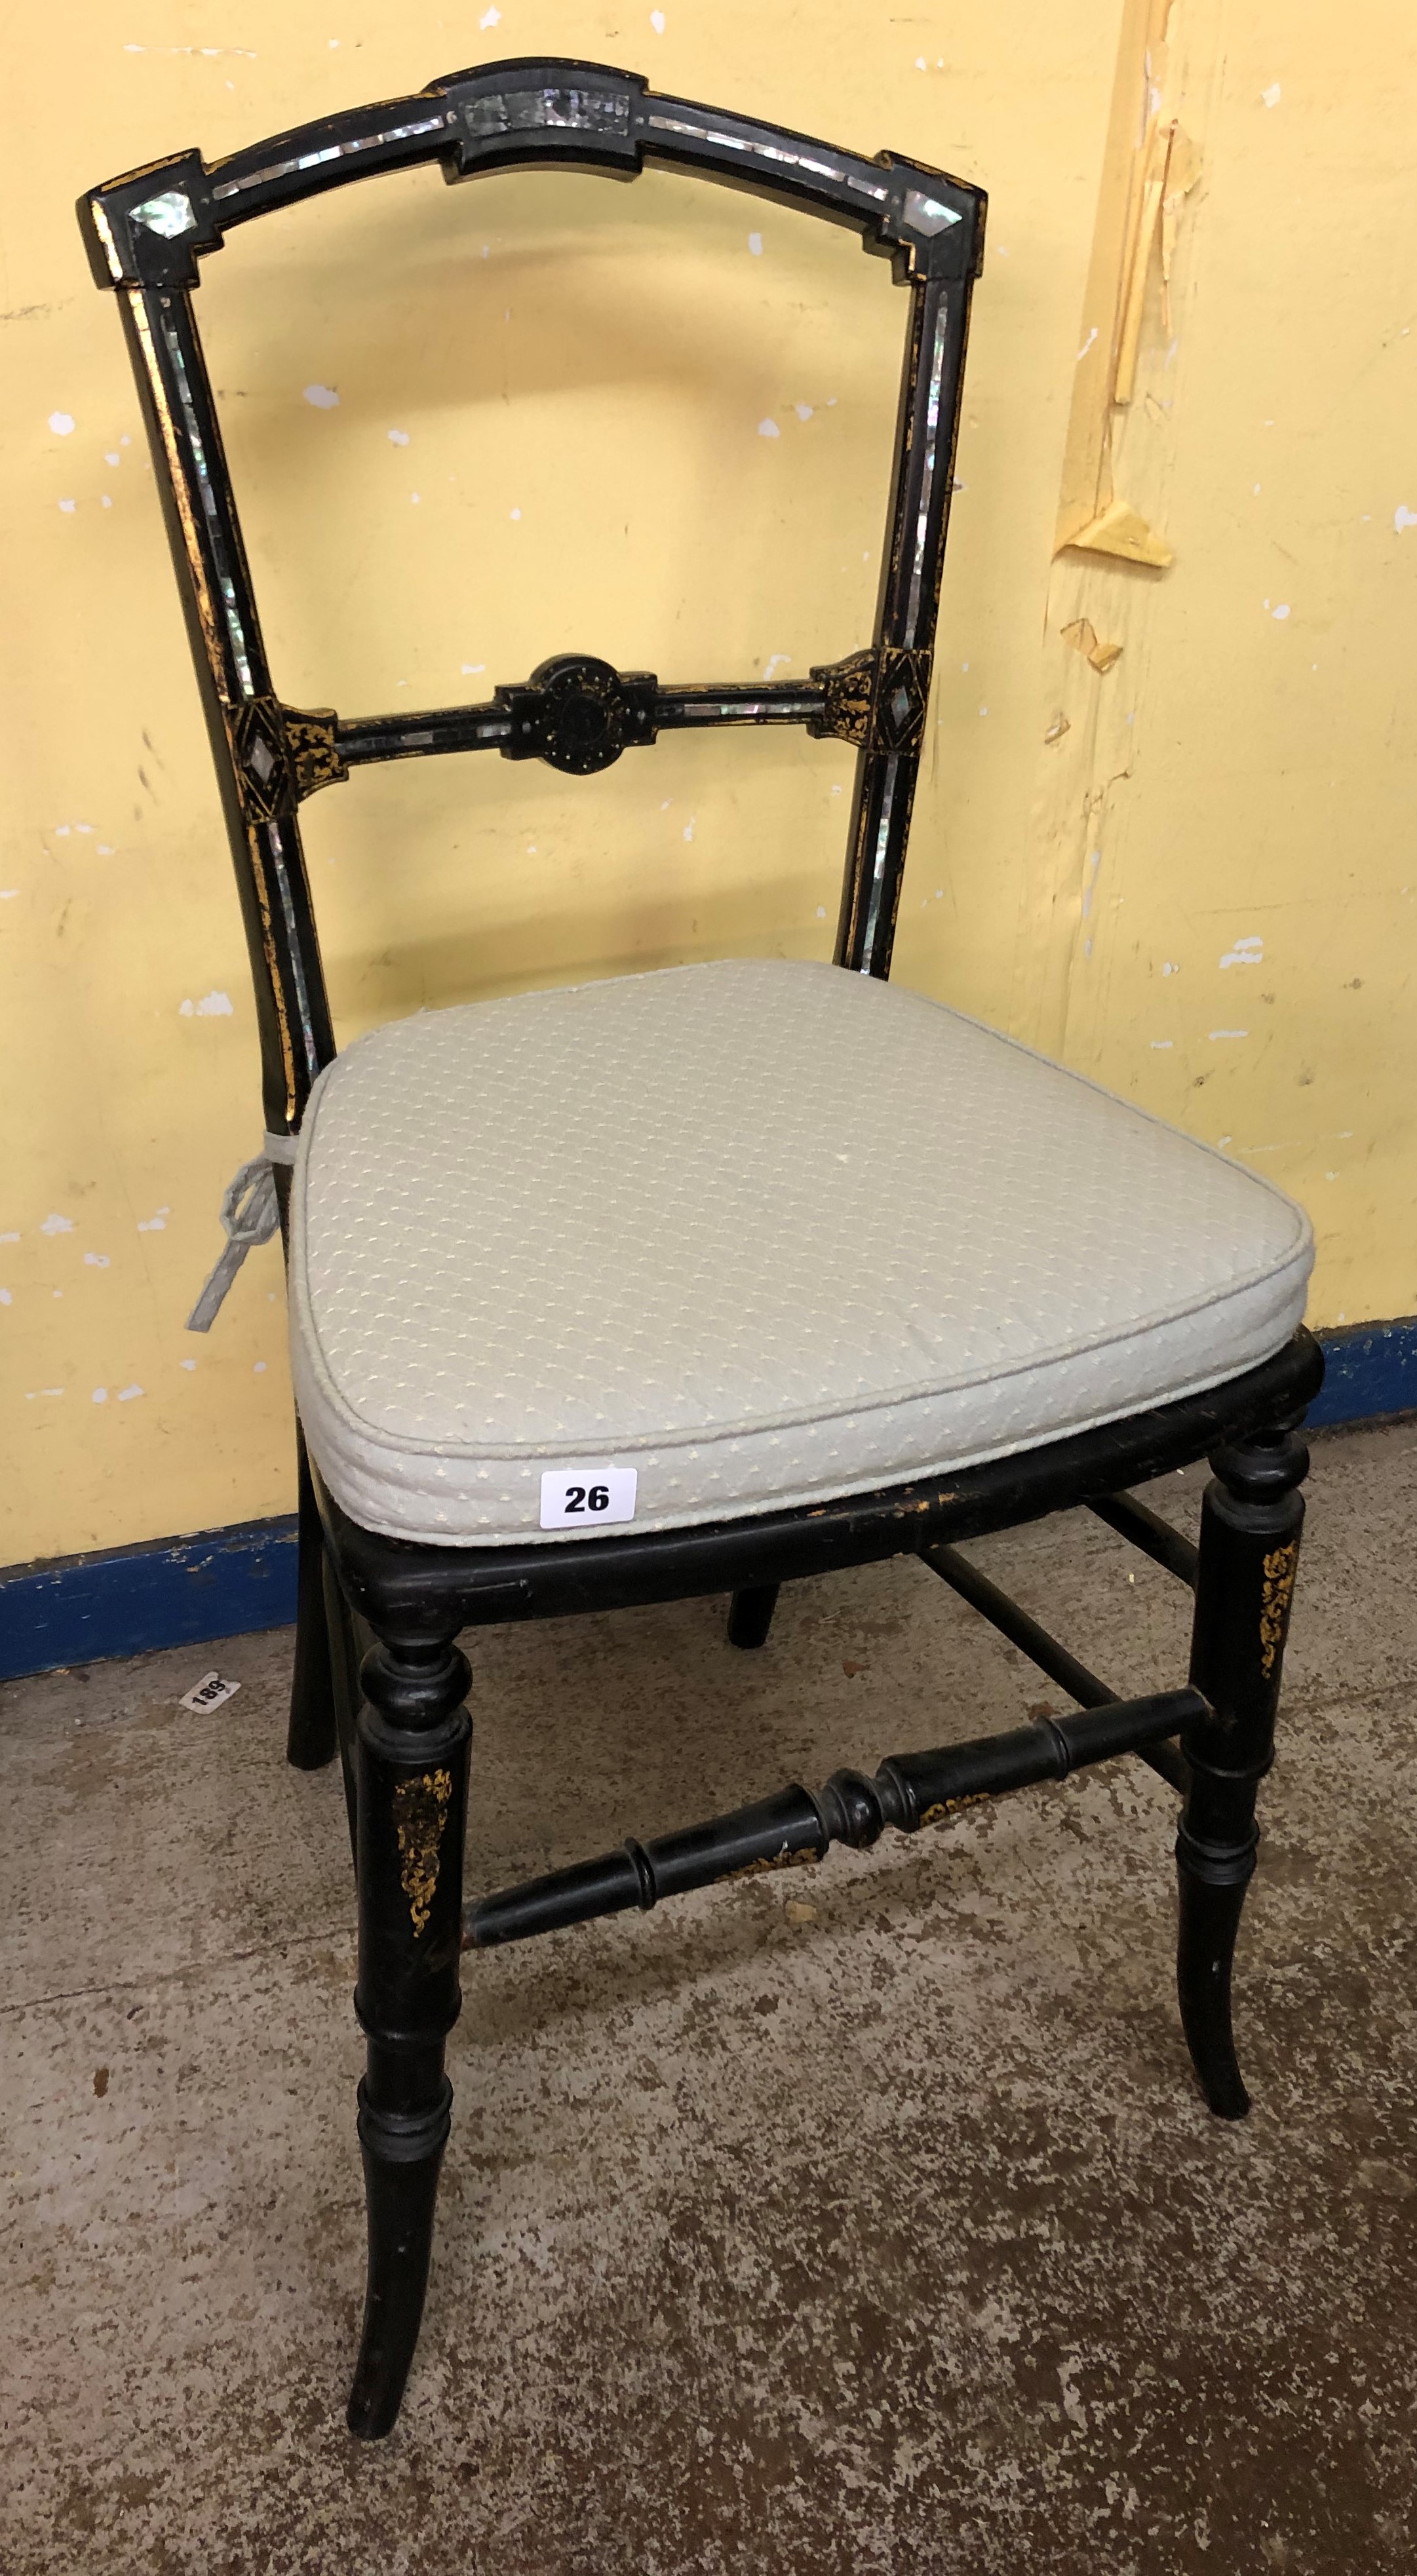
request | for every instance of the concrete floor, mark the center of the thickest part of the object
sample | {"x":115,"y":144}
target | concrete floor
{"x":853,"y":2220}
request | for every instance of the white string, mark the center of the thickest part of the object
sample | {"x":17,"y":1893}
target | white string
{"x":250,"y":1214}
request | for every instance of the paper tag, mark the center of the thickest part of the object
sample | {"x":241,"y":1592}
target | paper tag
{"x":209,"y":1692}
{"x":587,"y":1497}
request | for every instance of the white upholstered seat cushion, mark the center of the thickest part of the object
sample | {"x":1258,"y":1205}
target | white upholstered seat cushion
{"x":764,"y":1231}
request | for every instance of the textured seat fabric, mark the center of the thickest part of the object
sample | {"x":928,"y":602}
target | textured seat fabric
{"x":763,"y":1232}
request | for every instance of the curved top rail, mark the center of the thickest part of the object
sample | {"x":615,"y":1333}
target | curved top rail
{"x":149,"y":227}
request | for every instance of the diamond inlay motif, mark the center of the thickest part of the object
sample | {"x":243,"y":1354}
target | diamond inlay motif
{"x":170,"y":214}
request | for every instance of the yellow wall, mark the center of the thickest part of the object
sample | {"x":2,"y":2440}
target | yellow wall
{"x":599,"y":360}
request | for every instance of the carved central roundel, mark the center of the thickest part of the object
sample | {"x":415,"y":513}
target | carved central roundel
{"x":585,"y":715}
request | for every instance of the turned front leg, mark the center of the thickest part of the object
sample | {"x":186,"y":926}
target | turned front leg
{"x":1251,"y":1518}
{"x":412,"y":1767}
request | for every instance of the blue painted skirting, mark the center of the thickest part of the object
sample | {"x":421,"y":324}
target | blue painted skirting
{"x":185,"y":1591}
{"x":124,"y":1600}
{"x":1370,"y":1371}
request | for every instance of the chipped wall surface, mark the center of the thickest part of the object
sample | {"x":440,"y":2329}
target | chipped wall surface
{"x":474,"y":427}
{"x":1222,"y":893}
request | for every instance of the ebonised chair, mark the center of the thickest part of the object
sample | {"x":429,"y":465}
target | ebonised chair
{"x":875,"y":1280}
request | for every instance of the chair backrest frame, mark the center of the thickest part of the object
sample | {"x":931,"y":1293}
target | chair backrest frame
{"x":146,"y":232}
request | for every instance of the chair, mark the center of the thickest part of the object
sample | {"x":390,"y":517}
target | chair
{"x":857,"y":1278}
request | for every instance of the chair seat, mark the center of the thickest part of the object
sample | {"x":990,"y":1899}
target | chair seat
{"x":762,"y":1232}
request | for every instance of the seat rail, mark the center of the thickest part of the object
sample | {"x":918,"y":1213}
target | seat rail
{"x":404,"y":1585}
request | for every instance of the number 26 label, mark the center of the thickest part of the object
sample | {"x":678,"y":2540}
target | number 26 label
{"x":587,"y":1498}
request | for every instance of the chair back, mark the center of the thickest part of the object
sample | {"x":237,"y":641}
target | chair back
{"x":146,"y":233}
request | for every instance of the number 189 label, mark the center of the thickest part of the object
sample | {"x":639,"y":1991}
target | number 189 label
{"x":587,"y":1498}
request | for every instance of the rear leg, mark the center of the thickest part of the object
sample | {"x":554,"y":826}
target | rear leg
{"x":312,"y":1735}
{"x":750,"y":1614}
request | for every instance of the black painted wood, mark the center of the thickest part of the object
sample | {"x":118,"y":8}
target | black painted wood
{"x":255,"y":773}
{"x":1015,"y":1623}
{"x":595,"y":711}
{"x":399,"y":1582}
{"x":1024,"y":1631}
{"x":347,"y":1649}
{"x":1148,"y":1531}
{"x":917,"y":522}
{"x":799,"y":1825}
{"x":412,"y":1771}
{"x":151,"y":226}
{"x":312,"y":1737}
{"x":1251,"y":1519}
{"x":750,"y":1614}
